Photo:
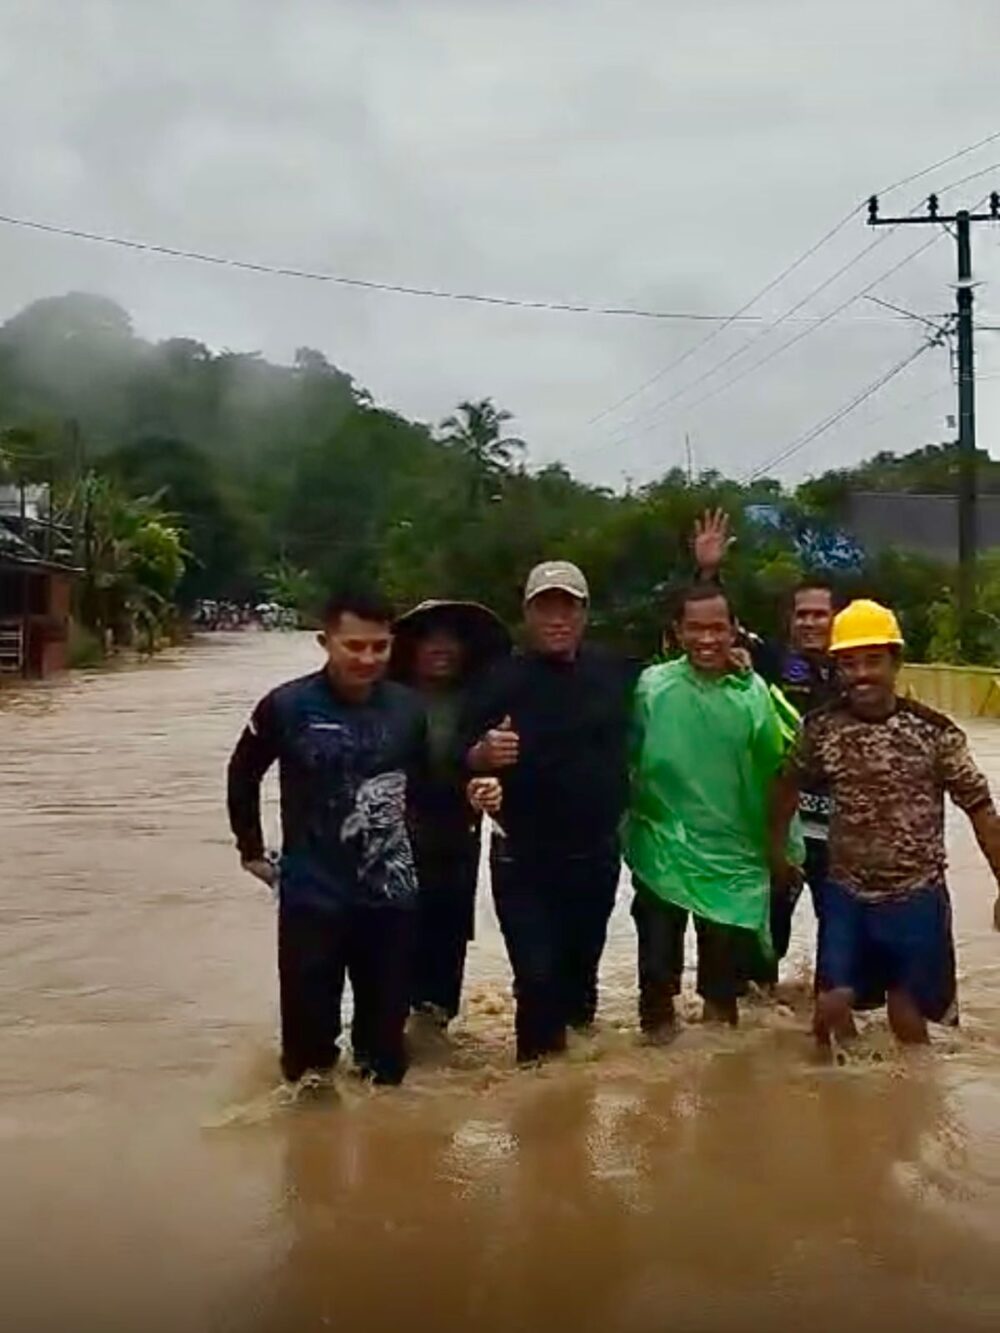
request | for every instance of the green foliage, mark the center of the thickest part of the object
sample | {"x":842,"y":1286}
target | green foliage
{"x":187,"y":473}
{"x":85,"y":647}
{"x":942,"y":615}
{"x":219,"y":532}
{"x":475,"y":433}
{"x":288,"y":586}
{"x":132,"y":557}
{"x":914,"y":585}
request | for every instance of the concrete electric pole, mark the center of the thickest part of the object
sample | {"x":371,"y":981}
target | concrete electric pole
{"x":967,"y":516}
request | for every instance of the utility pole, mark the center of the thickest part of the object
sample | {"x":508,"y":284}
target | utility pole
{"x":25,"y":582}
{"x":967,"y":479}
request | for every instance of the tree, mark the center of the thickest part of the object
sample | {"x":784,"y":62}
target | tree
{"x":475,"y":431}
{"x":218,"y":532}
{"x":214,"y":473}
{"x":132,"y":557}
{"x":288,"y":586}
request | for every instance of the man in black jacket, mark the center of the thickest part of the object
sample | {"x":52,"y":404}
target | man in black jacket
{"x":553,"y":724}
{"x":346,"y":741}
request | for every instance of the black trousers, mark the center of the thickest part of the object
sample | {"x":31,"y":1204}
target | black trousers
{"x":316,"y":950}
{"x":783,"y":910}
{"x":553,"y":910}
{"x":446,"y":913}
{"x":726,"y":956}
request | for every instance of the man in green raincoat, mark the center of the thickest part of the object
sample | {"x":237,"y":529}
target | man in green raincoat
{"x":708,"y":743}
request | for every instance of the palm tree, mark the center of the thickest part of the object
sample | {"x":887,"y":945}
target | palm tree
{"x":476,"y":431}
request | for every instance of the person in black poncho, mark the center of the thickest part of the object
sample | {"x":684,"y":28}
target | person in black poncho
{"x":440,"y":649}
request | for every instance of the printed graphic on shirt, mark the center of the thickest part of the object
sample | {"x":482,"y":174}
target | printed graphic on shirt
{"x":377,"y":829}
{"x":364,"y":812}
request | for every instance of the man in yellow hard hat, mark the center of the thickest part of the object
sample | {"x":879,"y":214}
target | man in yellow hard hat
{"x":885,"y":931}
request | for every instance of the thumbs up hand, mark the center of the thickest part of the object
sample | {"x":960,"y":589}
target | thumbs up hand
{"x":499,"y":748}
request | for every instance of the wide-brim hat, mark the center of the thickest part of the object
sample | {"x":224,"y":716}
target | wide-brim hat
{"x":482,"y":633}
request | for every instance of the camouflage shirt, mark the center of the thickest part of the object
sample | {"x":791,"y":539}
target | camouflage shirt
{"x":887,"y":782}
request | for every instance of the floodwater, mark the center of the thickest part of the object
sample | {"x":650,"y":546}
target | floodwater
{"x":153,"y":1175}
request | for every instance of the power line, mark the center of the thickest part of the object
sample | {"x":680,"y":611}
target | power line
{"x":944,"y":162}
{"x":786,"y":272}
{"x":684,"y":356}
{"x":342,"y":280}
{"x":656,"y":408}
{"x":910,"y":403}
{"x":365,"y":284}
{"x":783,"y":347}
{"x":835,"y":417}
{"x":784,"y":318}
{"x":901,"y":310}
{"x":804,"y":333}
{"x":443,"y":294}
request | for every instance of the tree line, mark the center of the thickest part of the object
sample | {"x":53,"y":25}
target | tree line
{"x":183,"y":473}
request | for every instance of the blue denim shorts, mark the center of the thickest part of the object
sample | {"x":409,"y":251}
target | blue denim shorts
{"x":904,"y":944}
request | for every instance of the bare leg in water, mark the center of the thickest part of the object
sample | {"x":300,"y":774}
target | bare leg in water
{"x":907,"y":1022}
{"x":834,"y":1017}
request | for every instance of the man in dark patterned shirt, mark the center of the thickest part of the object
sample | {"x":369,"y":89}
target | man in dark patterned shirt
{"x":347,"y":743}
{"x":885,"y":921}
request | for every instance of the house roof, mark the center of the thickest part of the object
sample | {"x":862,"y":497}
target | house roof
{"x":16,"y":551}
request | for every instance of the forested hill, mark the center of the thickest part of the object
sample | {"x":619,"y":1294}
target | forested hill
{"x":287,"y":479}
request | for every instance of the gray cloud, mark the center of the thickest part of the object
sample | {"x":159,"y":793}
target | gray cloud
{"x":671,"y":155}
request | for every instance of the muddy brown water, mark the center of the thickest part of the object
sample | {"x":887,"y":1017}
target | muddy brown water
{"x":153,"y":1175}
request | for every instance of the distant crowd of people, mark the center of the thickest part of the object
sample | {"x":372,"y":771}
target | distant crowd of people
{"x":211,"y":615}
{"x":727,"y":777}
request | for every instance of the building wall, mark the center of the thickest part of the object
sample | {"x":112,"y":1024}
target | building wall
{"x":60,"y":595}
{"x":49,"y":601}
{"x":923,"y":523}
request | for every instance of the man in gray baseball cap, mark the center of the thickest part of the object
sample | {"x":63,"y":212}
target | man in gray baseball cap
{"x":557,"y":576}
{"x":552,"y":724}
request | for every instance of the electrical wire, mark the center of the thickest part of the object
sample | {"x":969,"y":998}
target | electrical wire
{"x":436,"y":293}
{"x":910,"y":314}
{"x":401,"y":289}
{"x":656,"y":408}
{"x":804,"y":333}
{"x":342,"y":280}
{"x":786,"y":272}
{"x":836,"y":417}
{"x":654,"y":424}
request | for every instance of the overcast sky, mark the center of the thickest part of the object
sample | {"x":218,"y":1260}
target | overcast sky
{"x":674,"y":154}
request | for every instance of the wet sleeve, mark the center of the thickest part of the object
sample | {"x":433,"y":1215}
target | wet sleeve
{"x":256,"y":750}
{"x":964,"y":781}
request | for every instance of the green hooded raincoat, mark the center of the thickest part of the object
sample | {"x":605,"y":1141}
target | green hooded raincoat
{"x":705,"y":753}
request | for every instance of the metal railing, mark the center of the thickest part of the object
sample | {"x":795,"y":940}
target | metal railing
{"x":11,"y":649}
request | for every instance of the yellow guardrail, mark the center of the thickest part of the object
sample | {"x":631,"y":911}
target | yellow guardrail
{"x":961,"y":691}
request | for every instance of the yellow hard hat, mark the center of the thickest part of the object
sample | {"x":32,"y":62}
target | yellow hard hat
{"x":865,"y":624}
